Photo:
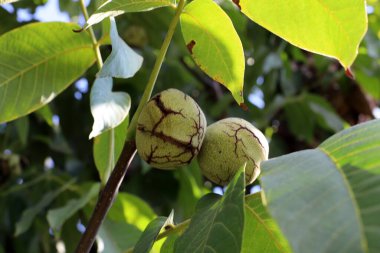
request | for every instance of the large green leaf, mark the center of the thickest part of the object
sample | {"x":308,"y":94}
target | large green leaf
{"x":329,"y":27}
{"x":356,"y":153}
{"x":328,"y":199}
{"x":37,"y":62}
{"x":118,"y":7}
{"x":217,"y":225}
{"x":214,"y":44}
{"x":261,"y":233}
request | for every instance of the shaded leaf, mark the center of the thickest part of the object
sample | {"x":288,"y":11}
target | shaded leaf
{"x":261,"y":233}
{"x":117,"y":237}
{"x":116,"y":7}
{"x":217,"y":225}
{"x":36,"y":66}
{"x":332,"y":28}
{"x":214,"y":44}
{"x":108,"y":108}
{"x":356,"y":154}
{"x":331,"y":193}
{"x":57,"y":217}
{"x":29,"y":214}
{"x":107,"y":149}
{"x":123,"y":62}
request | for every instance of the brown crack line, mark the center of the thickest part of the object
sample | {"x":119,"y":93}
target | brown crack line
{"x":165,"y":111}
{"x":240,"y":127}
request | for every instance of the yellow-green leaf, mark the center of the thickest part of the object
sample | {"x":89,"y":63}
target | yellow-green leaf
{"x":214,"y":44}
{"x":37,"y":62}
{"x":332,"y":28}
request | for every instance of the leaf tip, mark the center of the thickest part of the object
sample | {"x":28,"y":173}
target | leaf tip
{"x":350,"y":74}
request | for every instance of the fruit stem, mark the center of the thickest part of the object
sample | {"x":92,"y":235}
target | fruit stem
{"x":156,"y":69}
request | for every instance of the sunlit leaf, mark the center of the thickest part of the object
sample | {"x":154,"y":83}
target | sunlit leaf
{"x":131,"y":209}
{"x":214,"y":44}
{"x":333,"y":28}
{"x":36,"y":66}
{"x":261,"y":233}
{"x":123,"y":61}
{"x":108,"y":108}
{"x":116,"y":7}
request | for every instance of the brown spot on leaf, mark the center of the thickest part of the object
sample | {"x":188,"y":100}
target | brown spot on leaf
{"x":350,"y":74}
{"x":237,"y":3}
{"x":190,"y":46}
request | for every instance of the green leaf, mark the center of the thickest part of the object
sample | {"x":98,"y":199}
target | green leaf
{"x":261,"y":233}
{"x":36,"y":65}
{"x":149,"y":236}
{"x":190,"y":189}
{"x":330,"y":27}
{"x":117,"y":7}
{"x":107,"y":149}
{"x":130,"y":209}
{"x":57,"y":217}
{"x":327,"y":199}
{"x":108,"y":108}
{"x":168,"y":246}
{"x":356,"y":154}
{"x":29,"y":214}
{"x":123,"y":62}
{"x":117,"y":237}
{"x":214,"y":44}
{"x":217,"y":225}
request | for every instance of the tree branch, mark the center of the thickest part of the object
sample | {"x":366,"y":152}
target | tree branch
{"x":106,"y":197}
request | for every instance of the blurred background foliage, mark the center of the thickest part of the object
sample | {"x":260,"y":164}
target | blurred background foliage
{"x":296,"y":98}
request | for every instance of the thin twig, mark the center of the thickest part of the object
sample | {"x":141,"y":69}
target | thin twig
{"x":99,"y":60}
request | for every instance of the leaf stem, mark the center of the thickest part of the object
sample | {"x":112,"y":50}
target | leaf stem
{"x":156,"y":69}
{"x":95,"y":44}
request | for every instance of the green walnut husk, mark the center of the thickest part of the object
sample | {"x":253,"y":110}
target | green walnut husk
{"x":170,"y":130}
{"x":228,"y":145}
